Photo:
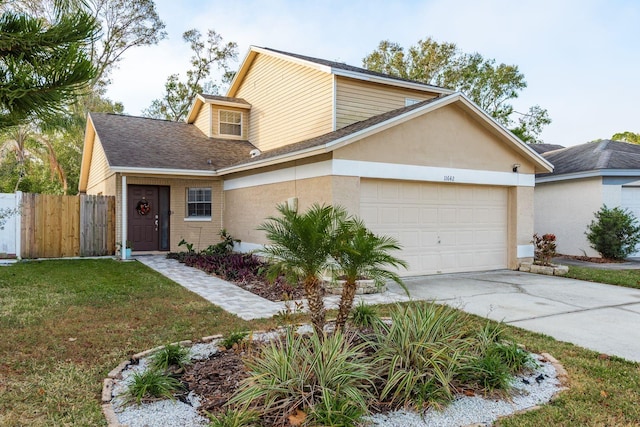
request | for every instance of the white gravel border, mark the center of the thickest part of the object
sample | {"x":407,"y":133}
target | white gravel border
{"x":463,"y":411}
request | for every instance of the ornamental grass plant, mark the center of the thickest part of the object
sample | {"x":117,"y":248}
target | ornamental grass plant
{"x":418,"y":355}
{"x":328,"y":379}
{"x":151,"y":383}
{"x":170,"y":355}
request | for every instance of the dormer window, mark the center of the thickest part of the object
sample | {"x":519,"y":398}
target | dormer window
{"x":230,"y":123}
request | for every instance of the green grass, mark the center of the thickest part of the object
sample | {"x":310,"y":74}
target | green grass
{"x":65,"y":324}
{"x":112,"y":310}
{"x":627,"y":278}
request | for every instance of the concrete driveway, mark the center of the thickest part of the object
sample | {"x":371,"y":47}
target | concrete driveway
{"x":600,"y":317}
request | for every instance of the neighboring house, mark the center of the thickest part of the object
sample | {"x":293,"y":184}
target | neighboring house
{"x":417,"y":162}
{"x":584,"y":178}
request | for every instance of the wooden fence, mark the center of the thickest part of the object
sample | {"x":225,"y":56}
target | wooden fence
{"x":67,"y":226}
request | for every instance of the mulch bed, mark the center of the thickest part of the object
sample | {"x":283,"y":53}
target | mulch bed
{"x":215,"y":380}
{"x":591,"y":259}
{"x":277,"y":291}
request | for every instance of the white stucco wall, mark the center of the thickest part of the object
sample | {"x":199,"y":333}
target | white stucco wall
{"x":566,"y":208}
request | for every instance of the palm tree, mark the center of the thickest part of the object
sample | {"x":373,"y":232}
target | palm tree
{"x":301,"y":248}
{"x":361,"y":254}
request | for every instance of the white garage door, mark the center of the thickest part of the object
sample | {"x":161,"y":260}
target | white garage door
{"x":443,"y":228}
{"x":630,"y":199}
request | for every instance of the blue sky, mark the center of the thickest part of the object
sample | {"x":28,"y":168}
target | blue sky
{"x":581,"y":58}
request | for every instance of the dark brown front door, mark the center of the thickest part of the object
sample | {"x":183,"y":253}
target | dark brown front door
{"x":143,"y":217}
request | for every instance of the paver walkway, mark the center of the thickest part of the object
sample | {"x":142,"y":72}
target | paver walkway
{"x":234,"y":299}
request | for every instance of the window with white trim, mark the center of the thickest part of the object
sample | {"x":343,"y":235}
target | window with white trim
{"x":230,"y":123}
{"x":199,"y":202}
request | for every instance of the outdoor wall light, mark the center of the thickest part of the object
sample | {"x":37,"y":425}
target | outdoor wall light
{"x":515,"y":167}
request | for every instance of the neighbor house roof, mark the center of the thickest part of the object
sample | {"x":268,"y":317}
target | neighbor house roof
{"x":145,"y":143}
{"x":543,"y":148}
{"x":592,"y":159}
{"x":331,"y":67}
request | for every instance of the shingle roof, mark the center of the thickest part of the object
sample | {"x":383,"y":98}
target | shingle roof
{"x":140,"y":142}
{"x":346,"y":67}
{"x":593,"y":156}
{"x":335,"y":135}
{"x":543,"y":148}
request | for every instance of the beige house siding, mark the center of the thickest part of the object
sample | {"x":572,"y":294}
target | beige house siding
{"x":200,"y":233}
{"x":246,"y":208}
{"x":447,"y":137}
{"x":569,"y":219}
{"x":357,"y":100}
{"x":203,"y":120}
{"x":282,"y":116}
{"x":99,"y":170}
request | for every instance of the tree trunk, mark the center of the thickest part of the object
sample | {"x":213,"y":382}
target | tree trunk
{"x":346,"y":302}
{"x":314,"y":290}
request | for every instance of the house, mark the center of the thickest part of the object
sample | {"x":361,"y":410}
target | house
{"x":417,"y":162}
{"x":585,"y":177}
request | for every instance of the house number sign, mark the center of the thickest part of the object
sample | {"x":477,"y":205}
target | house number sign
{"x":449,"y":178}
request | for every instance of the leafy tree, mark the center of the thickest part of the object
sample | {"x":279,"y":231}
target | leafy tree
{"x":179,"y":95}
{"x":614,"y":233}
{"x":361,"y":254}
{"x":627,"y":136}
{"x":43,"y":65}
{"x":54,"y":165}
{"x":491,"y":86}
{"x":301,"y":248}
{"x":123,"y":24}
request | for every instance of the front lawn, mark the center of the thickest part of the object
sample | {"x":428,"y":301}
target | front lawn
{"x":627,"y":278}
{"x":66,"y":324}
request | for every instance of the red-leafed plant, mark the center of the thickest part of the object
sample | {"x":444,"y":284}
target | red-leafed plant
{"x":545,"y":248}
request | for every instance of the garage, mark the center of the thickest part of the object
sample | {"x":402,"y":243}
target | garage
{"x":442,"y":227}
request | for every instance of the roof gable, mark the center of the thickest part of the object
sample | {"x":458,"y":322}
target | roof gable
{"x":330,"y":67}
{"x":225,"y":101}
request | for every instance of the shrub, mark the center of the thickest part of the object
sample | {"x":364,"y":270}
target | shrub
{"x":418,"y":355}
{"x":364,"y":316}
{"x":545,"y":248}
{"x":327,"y":378}
{"x":187,"y":245}
{"x":235,"y":418}
{"x":232,"y":266}
{"x":233,"y":338}
{"x":488,"y":372}
{"x":494,"y":366}
{"x":151,"y":383}
{"x":170,"y":355}
{"x":224,"y":247}
{"x":614,"y":233}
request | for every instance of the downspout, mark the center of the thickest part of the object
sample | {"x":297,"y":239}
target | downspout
{"x":123,"y":231}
